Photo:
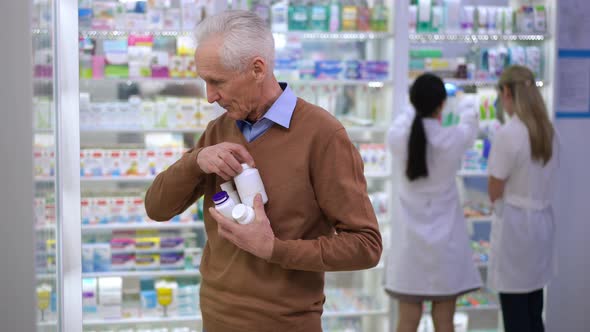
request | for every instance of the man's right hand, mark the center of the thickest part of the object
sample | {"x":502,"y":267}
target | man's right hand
{"x":224,"y":159}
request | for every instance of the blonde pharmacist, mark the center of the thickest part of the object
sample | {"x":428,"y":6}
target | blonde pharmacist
{"x":430,"y":258}
{"x":522,"y":166}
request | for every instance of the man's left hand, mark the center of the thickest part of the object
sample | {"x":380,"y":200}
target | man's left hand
{"x":256,"y":238}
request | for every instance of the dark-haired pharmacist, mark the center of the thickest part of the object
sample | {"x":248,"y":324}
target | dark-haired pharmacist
{"x":430,"y":258}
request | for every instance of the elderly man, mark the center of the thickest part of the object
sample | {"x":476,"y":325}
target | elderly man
{"x":268,"y":275}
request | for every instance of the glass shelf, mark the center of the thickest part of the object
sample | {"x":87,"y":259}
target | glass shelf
{"x":108,"y":34}
{"x":141,"y":320}
{"x":474,"y":38}
{"x":341,"y":35}
{"x":144,"y":225}
{"x":482,"y":83}
{"x":158,"y":273}
{"x":315,"y":35}
{"x":197,"y":80}
{"x":359,"y":313}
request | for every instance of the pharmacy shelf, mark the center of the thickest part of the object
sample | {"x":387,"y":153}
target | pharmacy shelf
{"x":146,"y":179}
{"x":143,"y":225}
{"x":480,"y":219}
{"x":336,"y":36}
{"x":197,"y":80}
{"x":355,"y":130}
{"x":474,"y":38}
{"x":359,"y":313}
{"x":45,"y":276}
{"x":481,"y":307}
{"x":482,"y":83}
{"x":149,"y":251}
{"x":130,"y":226}
{"x":44,"y":80}
{"x":44,"y":179}
{"x":361,"y":130}
{"x":142,"y":320}
{"x":491,"y":306}
{"x":124,"y":179}
{"x":124,"y":274}
{"x":44,"y":131}
{"x":472,"y":173}
{"x":143,"y":131}
{"x":129,"y":80}
{"x":159,"y":273}
{"x":40,"y":31}
{"x":47,"y":324}
{"x":110,"y":34}
{"x":45,"y":228}
{"x":113,"y":34}
{"x":378,"y":175}
{"x":334,"y":82}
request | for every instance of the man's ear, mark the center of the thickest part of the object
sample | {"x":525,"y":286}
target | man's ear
{"x":259,"y":68}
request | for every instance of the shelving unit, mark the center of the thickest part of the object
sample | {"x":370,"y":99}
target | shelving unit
{"x":333,"y":314}
{"x":470,"y":46}
{"x":138,"y":274}
{"x":483,"y":83}
{"x":311,"y":35}
{"x":472,"y":173}
{"x":143,"y":226}
{"x":142,"y":320}
{"x":181,"y":81}
{"x":474,"y":38}
{"x":130,"y":274}
{"x":479,"y":219}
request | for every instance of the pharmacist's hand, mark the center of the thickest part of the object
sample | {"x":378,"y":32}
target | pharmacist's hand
{"x":256,"y":237}
{"x":224,"y":159}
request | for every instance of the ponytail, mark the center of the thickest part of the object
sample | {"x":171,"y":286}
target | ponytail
{"x":427,"y":95}
{"x":416,"y":166}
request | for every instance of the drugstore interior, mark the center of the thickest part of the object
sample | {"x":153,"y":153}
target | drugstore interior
{"x":141,"y":104}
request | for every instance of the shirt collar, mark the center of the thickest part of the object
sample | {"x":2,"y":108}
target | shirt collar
{"x":282,"y":109}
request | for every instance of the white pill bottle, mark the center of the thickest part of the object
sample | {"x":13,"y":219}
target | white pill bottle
{"x":228,"y":187}
{"x":243,"y":214}
{"x":224,"y":204}
{"x":248,"y":183}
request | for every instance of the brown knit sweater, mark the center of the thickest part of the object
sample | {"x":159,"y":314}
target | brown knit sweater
{"x":319,"y":211}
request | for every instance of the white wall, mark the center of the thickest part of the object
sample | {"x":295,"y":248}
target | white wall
{"x":17,"y":297}
{"x":569,"y":293}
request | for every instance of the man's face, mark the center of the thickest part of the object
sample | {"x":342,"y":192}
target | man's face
{"x":237,"y":92}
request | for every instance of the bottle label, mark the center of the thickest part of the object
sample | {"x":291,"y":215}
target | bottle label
{"x":319,"y":14}
{"x":300,"y":16}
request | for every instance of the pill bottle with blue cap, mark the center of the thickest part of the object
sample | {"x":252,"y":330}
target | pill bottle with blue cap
{"x":224,"y":204}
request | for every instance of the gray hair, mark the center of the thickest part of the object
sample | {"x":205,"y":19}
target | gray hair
{"x":245,"y":35}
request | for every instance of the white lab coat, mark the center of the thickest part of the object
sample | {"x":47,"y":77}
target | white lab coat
{"x":430,"y":251}
{"x":522,"y":239}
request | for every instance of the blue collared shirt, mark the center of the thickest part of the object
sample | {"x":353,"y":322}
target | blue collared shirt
{"x":280,"y":113}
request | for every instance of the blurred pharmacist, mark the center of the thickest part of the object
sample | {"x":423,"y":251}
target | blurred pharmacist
{"x":522,"y":168}
{"x":430,"y":257}
{"x":268,"y":275}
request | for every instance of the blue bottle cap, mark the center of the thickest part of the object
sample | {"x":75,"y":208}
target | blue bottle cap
{"x":220,"y":197}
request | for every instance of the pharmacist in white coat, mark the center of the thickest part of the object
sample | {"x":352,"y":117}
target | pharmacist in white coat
{"x":522,"y":168}
{"x":430,"y":258}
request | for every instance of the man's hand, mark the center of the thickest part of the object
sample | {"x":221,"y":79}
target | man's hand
{"x":256,"y":238}
{"x":224,"y":159}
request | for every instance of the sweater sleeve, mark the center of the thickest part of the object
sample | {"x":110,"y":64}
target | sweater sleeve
{"x":176,"y":188}
{"x":341,"y":191}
